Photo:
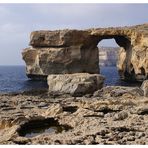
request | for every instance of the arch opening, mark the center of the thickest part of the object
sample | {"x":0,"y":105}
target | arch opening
{"x":108,"y":51}
{"x":115,"y":58}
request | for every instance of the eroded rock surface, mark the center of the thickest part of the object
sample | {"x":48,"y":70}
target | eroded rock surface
{"x":144,"y":87}
{"x":77,"y":84}
{"x":110,"y":118}
{"x":75,"y":51}
{"x":44,"y":61}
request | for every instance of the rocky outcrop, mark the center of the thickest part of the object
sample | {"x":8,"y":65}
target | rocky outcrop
{"x":44,"y":61}
{"x":75,"y":51}
{"x":119,"y":115}
{"x":144,"y":87}
{"x":77,"y":84}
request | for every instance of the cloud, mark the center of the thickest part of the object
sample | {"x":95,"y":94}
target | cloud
{"x":18,"y":20}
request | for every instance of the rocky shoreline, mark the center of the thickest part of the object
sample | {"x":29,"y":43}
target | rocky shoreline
{"x":76,"y":108}
{"x":111,"y":115}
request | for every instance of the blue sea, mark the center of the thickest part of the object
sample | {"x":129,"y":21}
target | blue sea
{"x":14,"y":79}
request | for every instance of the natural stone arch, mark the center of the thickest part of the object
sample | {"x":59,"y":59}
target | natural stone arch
{"x":75,"y":51}
{"x":125,"y":71}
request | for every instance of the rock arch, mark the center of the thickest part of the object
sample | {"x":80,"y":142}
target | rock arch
{"x":124,"y":57}
{"x":75,"y":51}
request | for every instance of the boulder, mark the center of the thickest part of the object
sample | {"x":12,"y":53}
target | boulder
{"x":75,"y":84}
{"x":144,"y":87}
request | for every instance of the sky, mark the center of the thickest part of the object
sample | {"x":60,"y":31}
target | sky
{"x":17,"y":21}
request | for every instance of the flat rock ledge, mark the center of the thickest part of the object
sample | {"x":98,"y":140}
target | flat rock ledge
{"x":112,"y":115}
{"x":77,"y":84}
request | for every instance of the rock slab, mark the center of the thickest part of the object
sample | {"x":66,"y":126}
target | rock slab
{"x":75,"y":84}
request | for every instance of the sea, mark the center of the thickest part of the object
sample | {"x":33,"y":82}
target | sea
{"x":14,"y":79}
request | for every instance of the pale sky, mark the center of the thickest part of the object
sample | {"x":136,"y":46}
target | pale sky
{"x":18,"y":20}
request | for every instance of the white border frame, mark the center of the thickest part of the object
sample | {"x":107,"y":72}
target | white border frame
{"x":73,"y":1}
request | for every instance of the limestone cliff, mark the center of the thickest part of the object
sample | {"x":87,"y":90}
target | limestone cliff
{"x":108,"y":56}
{"x":75,"y":51}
